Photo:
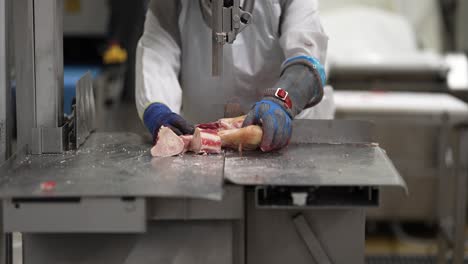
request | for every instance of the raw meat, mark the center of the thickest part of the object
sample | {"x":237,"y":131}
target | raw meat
{"x":209,"y":138}
{"x":231,"y":123}
{"x":187,"y":142}
{"x":205,"y":141}
{"x":210,"y":126}
{"x":224,"y":124}
{"x":168,"y":144}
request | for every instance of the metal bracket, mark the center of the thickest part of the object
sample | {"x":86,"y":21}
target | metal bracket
{"x":49,"y":140}
{"x":311,"y":241}
{"x":226,"y":23}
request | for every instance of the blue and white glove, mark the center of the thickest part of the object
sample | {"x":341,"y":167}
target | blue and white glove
{"x":275,"y":121}
{"x":158,"y":115}
{"x":300,"y":86}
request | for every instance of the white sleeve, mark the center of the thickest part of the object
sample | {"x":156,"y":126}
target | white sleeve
{"x":301,"y":32}
{"x":158,"y":62}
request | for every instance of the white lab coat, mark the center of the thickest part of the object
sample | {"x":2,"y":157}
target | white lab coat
{"x":174,"y":55}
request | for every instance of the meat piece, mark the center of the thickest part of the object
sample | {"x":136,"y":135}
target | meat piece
{"x":168,"y":144}
{"x":209,"y":138}
{"x":187,"y":142}
{"x":231,"y":123}
{"x":224,"y":123}
{"x":210,"y":126}
{"x":205,"y":141}
{"x":247,"y":138}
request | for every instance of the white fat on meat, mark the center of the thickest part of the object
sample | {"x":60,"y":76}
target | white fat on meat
{"x":168,"y":144}
{"x":231,"y":123}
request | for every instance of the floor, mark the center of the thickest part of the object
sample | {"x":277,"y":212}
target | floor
{"x":406,"y":243}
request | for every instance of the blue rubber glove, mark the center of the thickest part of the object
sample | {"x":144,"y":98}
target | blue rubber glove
{"x":276,"y":123}
{"x":157,"y":115}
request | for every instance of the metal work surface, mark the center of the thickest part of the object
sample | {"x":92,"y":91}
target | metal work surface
{"x":332,"y":131}
{"x":112,"y":165}
{"x":314,"y":165}
{"x":321,"y":153}
{"x":120,"y":165}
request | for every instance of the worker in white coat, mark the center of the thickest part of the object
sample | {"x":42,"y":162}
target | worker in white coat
{"x":274,"y":68}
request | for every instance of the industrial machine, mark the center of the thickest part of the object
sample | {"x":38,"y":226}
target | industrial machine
{"x":5,"y":92}
{"x":410,"y":93}
{"x":81,"y":196}
{"x":419,"y":73}
{"x":389,"y":50}
{"x":425,"y":136}
{"x":419,"y":132}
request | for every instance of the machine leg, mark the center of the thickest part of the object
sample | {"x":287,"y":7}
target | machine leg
{"x":442,"y":187}
{"x":23,"y":33}
{"x":460,"y":201}
{"x":311,"y":241}
{"x":441,"y":249}
{"x":8,"y":247}
{"x":5,"y":87}
{"x":5,"y":113}
{"x":6,"y":242}
{"x":460,"y":219}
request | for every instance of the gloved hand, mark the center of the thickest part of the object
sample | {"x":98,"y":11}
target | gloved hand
{"x":300,"y":86}
{"x":276,"y":123}
{"x":157,"y":115}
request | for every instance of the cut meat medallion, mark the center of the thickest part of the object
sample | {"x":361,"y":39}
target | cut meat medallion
{"x":187,"y":142}
{"x":168,"y":144}
{"x":205,"y":141}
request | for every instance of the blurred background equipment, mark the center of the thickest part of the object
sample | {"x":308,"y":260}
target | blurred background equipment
{"x":391,"y":45}
{"x":125,"y":28}
{"x":400,"y":64}
{"x":461,"y":21}
{"x":105,"y":33}
{"x":115,"y":59}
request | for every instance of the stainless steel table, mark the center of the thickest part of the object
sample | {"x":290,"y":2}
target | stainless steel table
{"x":110,"y":202}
